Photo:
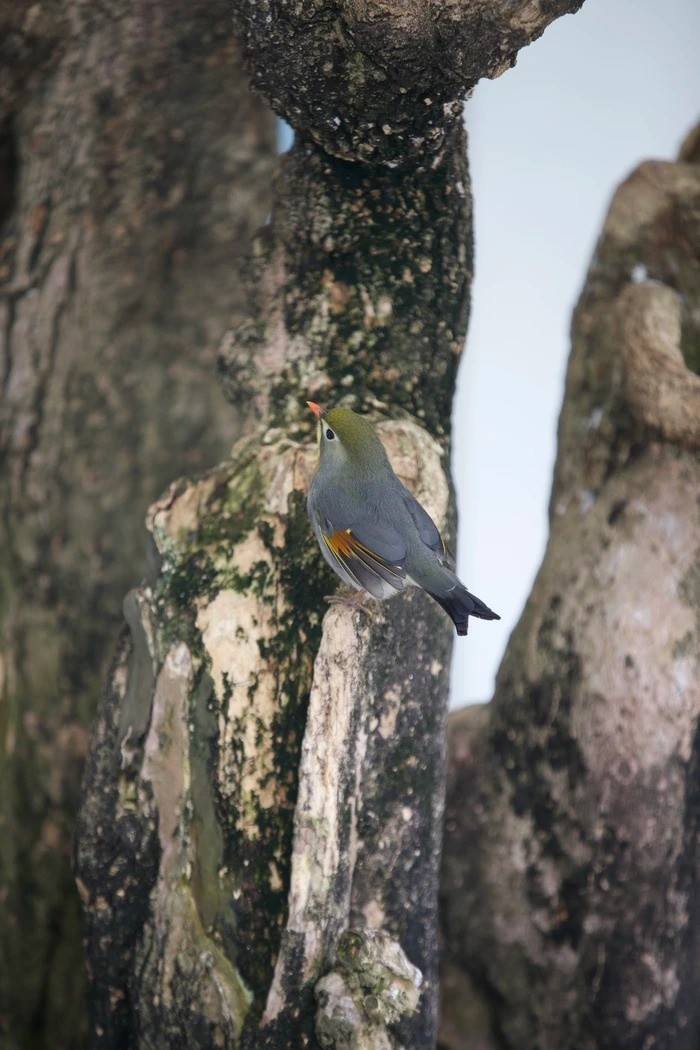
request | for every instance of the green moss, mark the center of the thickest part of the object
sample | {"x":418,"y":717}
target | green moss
{"x":199,"y":565}
{"x":303,"y":579}
{"x":254,"y":867}
{"x":685,"y":646}
{"x":233,"y":864}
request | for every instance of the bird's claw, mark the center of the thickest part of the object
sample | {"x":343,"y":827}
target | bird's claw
{"x":355,"y":601}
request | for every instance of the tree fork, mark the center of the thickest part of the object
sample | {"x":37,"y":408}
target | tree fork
{"x":278,"y":777}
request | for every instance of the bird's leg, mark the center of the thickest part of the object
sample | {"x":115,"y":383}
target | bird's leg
{"x":351,"y":598}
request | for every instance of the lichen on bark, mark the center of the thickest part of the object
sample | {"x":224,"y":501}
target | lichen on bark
{"x":371,"y":987}
{"x":217,"y":773}
{"x":362,"y":290}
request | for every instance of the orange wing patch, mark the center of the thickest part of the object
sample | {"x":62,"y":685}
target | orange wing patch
{"x":345,"y":545}
{"x":367,"y":568}
{"x":342,"y":543}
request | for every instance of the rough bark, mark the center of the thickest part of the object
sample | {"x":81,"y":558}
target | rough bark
{"x":569,"y":886}
{"x":263,"y":801}
{"x":382,"y":82}
{"x":135,"y":166}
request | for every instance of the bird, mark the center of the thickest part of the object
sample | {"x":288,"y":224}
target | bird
{"x":371,"y":530}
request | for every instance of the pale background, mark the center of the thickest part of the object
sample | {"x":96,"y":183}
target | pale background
{"x":614,"y":84}
{"x":549,"y":141}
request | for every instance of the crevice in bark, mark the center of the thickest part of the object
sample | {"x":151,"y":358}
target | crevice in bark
{"x":9,"y":167}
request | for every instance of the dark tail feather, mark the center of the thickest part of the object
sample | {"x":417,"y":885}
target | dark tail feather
{"x":459,"y":605}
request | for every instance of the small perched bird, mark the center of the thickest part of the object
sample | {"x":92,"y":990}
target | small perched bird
{"x":371,"y":530}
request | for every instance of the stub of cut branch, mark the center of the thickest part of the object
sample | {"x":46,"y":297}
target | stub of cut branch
{"x":661,"y":390}
{"x":339,"y":871}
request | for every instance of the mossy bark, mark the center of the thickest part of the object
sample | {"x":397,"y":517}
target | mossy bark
{"x":291,"y":827}
{"x":569,"y":885}
{"x":123,"y":127}
{"x":262,"y":776}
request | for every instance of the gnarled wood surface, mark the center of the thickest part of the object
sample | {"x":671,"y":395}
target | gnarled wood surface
{"x":569,"y":886}
{"x":319,"y":742}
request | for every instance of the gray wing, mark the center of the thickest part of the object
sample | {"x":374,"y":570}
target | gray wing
{"x":427,"y":529}
{"x":367,"y":554}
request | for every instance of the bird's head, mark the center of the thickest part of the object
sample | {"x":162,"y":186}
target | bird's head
{"x":345,"y":437}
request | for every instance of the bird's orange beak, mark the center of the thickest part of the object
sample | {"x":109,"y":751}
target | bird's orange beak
{"x":316,"y":409}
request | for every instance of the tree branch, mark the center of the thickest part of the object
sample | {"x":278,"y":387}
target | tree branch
{"x":382,"y":82}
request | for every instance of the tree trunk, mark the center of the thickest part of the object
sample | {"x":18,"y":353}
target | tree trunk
{"x":259,"y":839}
{"x":569,"y":886}
{"x":123,"y":128}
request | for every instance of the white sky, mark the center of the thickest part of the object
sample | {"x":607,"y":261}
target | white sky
{"x":549,"y":141}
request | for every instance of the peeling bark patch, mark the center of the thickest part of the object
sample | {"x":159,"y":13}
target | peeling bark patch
{"x":366,"y":825}
{"x":325,"y":843}
{"x":179,"y":957}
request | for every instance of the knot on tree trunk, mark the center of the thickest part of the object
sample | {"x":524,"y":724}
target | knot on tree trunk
{"x":662,"y":392}
{"x":372,"y":986}
{"x":381,"y":82}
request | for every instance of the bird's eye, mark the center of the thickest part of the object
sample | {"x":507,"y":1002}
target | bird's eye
{"x":329,"y":434}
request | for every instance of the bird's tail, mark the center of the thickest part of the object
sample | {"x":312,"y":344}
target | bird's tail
{"x":459,"y":605}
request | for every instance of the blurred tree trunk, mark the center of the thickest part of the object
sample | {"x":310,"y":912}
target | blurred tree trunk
{"x":259,"y":839}
{"x":134,"y":165}
{"x":570,"y":889}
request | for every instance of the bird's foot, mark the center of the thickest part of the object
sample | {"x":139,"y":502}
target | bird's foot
{"x":354,"y":600}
